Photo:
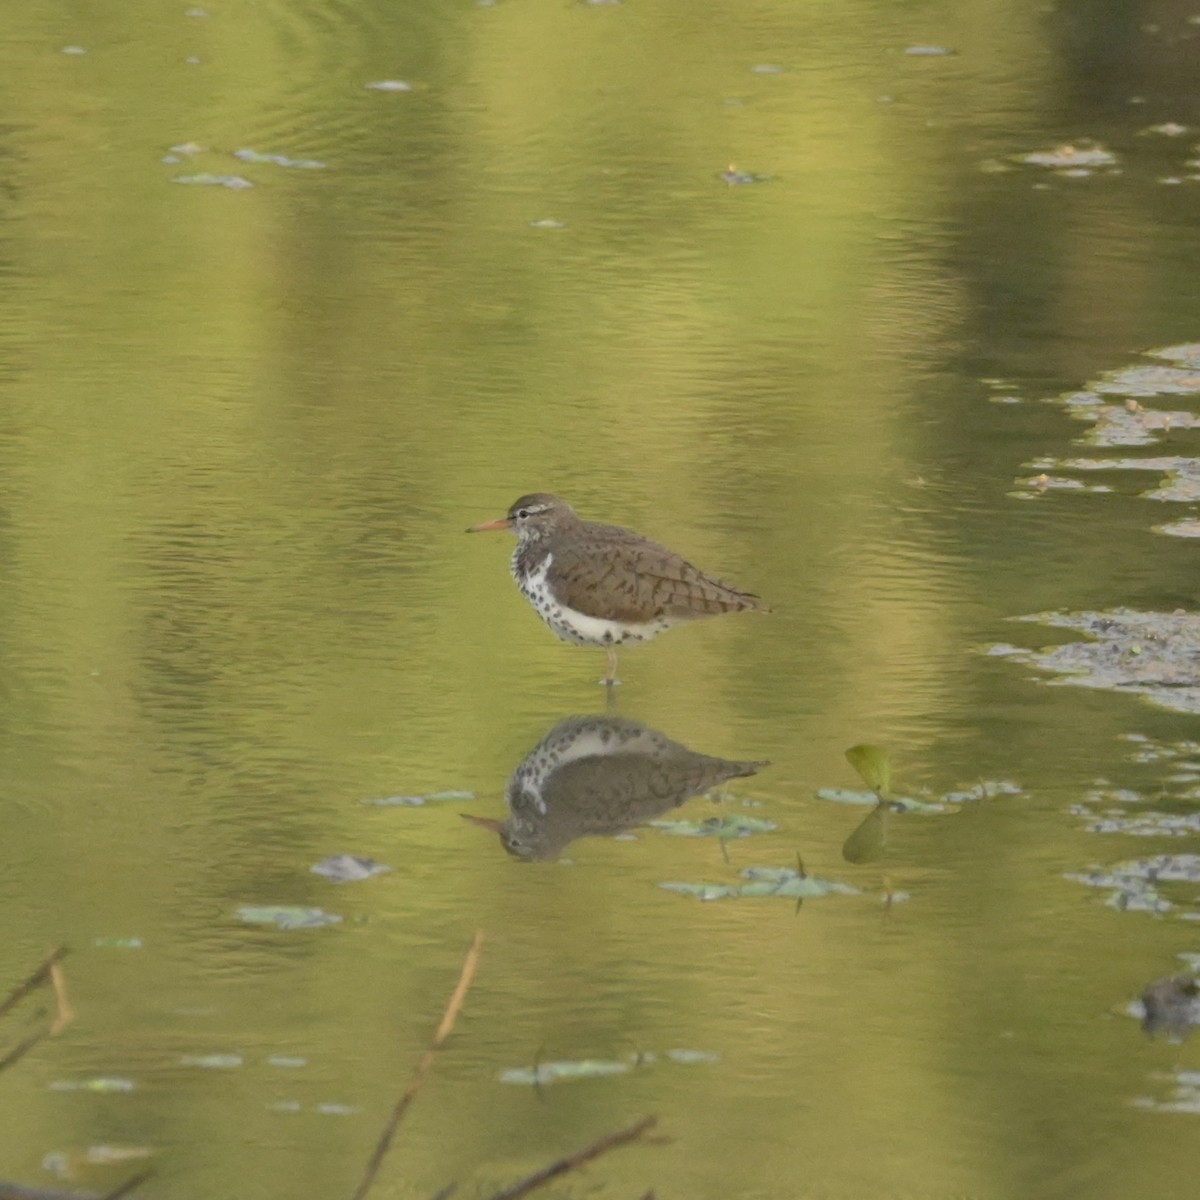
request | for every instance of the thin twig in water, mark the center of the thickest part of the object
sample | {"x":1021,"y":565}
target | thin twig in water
{"x":573,"y":1161}
{"x":134,"y":1181}
{"x":39,"y":976}
{"x":427,"y":1060}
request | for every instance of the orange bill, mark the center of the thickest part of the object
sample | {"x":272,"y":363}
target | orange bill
{"x":499,"y":523}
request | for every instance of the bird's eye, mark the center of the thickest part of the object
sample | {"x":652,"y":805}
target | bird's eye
{"x":522,"y":513}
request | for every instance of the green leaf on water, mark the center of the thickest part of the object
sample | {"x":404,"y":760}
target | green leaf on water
{"x":869,"y":840}
{"x":873,"y":765}
{"x":730,"y":825}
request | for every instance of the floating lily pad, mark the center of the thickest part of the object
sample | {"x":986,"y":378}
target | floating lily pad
{"x":286,"y":916}
{"x":764,"y":881}
{"x":730,"y":825}
{"x":213,"y":1062}
{"x":417,"y":801}
{"x":346,"y":868}
{"x":553,"y":1072}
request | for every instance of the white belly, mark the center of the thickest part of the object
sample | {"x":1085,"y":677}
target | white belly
{"x":578,"y":627}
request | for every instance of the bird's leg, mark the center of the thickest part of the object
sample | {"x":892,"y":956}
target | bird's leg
{"x":610,"y":680}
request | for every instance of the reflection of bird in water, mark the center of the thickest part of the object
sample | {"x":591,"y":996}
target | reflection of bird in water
{"x":602,"y":585}
{"x":599,"y":775}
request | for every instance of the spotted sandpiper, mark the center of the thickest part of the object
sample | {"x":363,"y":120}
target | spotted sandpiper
{"x":598,"y":775}
{"x":602,"y":585}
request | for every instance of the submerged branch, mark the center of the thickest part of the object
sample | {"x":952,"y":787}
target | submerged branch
{"x":466,"y":975}
{"x":573,"y":1161}
{"x":18,"y":1052}
{"x":39,"y":976}
{"x":134,"y":1181}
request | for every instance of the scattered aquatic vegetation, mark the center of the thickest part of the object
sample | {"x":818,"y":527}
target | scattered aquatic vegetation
{"x":1134,"y":886}
{"x":286,"y":916}
{"x":1037,"y":485}
{"x":346,"y":868}
{"x":730,"y":825}
{"x":98,"y":1083}
{"x":65,"y":1163}
{"x":552,"y":1072}
{"x":595,"y":1068}
{"x":207,"y":179}
{"x":1183,"y":1097}
{"x":1155,"y":655}
{"x":732,"y":176}
{"x":1186,"y":527}
{"x":1085,"y":154}
{"x":1155,"y":750}
{"x":213,"y":1062}
{"x":1147,"y":824}
{"x":765,"y":881}
{"x":280,"y":160}
{"x":417,"y":801}
{"x":326,"y":1109}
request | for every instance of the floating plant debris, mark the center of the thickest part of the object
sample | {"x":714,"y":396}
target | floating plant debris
{"x":764,"y":881}
{"x":728,"y":826}
{"x":346,"y":868}
{"x":213,"y":1062}
{"x":280,"y":160}
{"x":417,"y":801}
{"x":286,"y":916}
{"x":207,"y":179}
{"x":1089,"y":154}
